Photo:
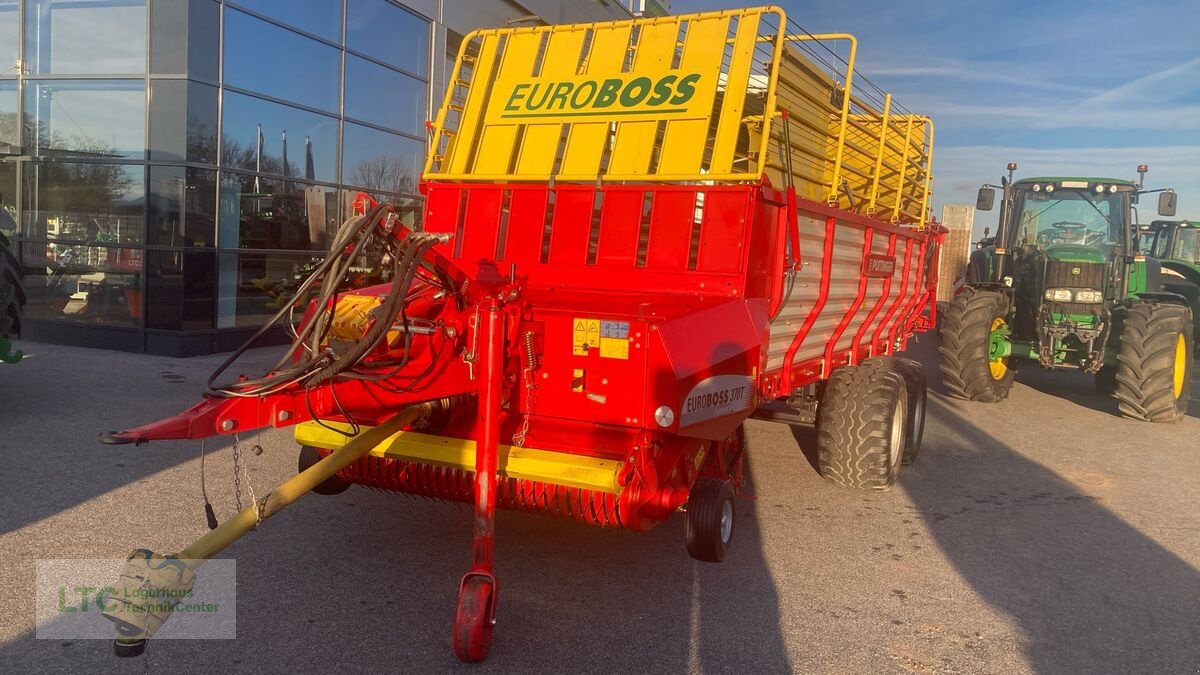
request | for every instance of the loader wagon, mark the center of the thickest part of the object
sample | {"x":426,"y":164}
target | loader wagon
{"x":635,"y":235}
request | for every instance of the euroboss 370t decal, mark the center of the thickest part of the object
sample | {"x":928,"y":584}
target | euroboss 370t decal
{"x":717,"y":396}
{"x":671,"y":95}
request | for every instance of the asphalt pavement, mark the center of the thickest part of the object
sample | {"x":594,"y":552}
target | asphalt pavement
{"x":1042,"y":534}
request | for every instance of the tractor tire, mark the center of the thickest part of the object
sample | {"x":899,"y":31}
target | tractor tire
{"x":917,"y":386}
{"x":1154,"y":364}
{"x":967,"y":372}
{"x":12,"y":293}
{"x":330,"y":486}
{"x":861,"y":427}
{"x":710,"y":519}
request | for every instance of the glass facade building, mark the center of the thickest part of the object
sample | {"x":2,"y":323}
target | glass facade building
{"x":170,"y":169}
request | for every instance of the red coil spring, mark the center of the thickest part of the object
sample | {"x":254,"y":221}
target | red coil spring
{"x":514,"y":494}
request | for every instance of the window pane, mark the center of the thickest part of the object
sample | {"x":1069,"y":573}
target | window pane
{"x":264,"y":213}
{"x":182,"y":206}
{"x":312,"y":152}
{"x":180,"y":290}
{"x":84,"y":202}
{"x":382,"y":96}
{"x":323,"y":18}
{"x":183,"y":121}
{"x":90,"y":284}
{"x":380,"y":161}
{"x":8,"y":197}
{"x":254,"y":286}
{"x":10,"y":27}
{"x":98,"y":118}
{"x":270,"y":60}
{"x":386,"y":32}
{"x":195,"y":23}
{"x":10,"y":125}
{"x":85,"y":36}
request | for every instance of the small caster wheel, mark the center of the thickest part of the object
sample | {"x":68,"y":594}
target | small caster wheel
{"x":129,"y":648}
{"x":709,"y":527}
{"x":330,"y":486}
{"x":473,"y":620}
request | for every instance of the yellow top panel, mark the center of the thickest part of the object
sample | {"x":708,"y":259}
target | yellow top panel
{"x":630,"y":100}
{"x":727,"y":96}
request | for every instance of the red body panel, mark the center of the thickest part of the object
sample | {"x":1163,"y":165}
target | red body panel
{"x":583,"y":311}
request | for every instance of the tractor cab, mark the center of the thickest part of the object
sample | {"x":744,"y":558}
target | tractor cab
{"x":1175,"y":241}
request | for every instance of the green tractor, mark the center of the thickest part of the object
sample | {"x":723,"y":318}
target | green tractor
{"x":1176,"y":245}
{"x":1064,"y":284}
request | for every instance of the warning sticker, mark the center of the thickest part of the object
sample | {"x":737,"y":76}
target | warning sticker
{"x":614,"y":329}
{"x":614,"y":348}
{"x":585,"y":334}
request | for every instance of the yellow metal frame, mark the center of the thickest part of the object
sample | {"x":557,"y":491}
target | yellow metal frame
{"x":655,"y":99}
{"x":472,"y":142}
{"x":558,"y":468}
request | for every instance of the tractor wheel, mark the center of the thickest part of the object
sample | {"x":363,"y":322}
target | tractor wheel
{"x":473,"y":620}
{"x":12,"y":293}
{"x":1154,"y":364}
{"x":916,"y":384}
{"x":710,"y":519}
{"x":968,"y":371}
{"x":861,"y":427}
{"x":330,"y":486}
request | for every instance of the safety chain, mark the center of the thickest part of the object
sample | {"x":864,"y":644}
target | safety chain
{"x":242,"y":469}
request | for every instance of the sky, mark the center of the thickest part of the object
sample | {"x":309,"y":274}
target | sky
{"x":1060,"y":88}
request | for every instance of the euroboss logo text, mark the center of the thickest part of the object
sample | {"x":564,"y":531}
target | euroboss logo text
{"x":612,"y":96}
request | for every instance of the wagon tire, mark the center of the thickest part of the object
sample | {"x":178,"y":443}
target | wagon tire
{"x":473,"y":620}
{"x":710,"y":519}
{"x":333,"y":485}
{"x":917,"y":387}
{"x":1154,"y":364}
{"x":861,"y":427}
{"x":967,"y":371}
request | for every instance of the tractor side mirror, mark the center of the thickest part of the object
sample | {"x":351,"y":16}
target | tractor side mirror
{"x":987,"y":199}
{"x":1166,"y":204}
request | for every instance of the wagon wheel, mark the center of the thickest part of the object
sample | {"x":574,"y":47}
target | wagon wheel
{"x":710,"y":518}
{"x":473,"y":620}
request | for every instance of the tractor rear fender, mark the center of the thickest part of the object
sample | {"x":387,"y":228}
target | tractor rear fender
{"x":996,"y":287}
{"x":1171,"y":298}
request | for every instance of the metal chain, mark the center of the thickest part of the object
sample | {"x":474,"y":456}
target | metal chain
{"x":530,"y":401}
{"x":241,"y":469}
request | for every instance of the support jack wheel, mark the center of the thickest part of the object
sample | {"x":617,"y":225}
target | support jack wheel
{"x":474,"y":619}
{"x":128,"y":648}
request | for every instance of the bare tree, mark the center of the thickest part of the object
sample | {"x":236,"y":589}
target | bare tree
{"x":384,"y":173}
